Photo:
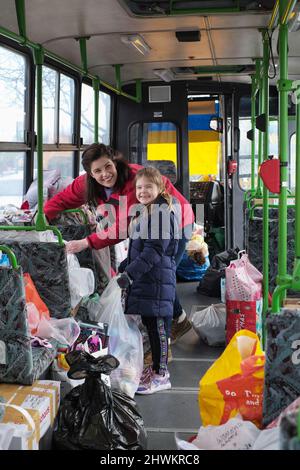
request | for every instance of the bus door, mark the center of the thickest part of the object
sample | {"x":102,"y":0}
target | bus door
{"x":206,"y":167}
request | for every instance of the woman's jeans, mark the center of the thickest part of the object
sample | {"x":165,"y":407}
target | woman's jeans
{"x":186,"y":235}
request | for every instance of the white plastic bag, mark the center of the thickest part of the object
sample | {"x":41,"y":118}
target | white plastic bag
{"x":268,"y":439}
{"x":82,"y":280}
{"x":209,"y":324}
{"x":125,"y":340}
{"x":64,"y":330}
{"x":121,"y":251}
{"x":236,"y":434}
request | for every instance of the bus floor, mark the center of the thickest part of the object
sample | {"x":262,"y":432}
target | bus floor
{"x":176,"y":410}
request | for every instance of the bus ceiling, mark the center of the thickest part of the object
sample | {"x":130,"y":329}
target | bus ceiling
{"x":121,"y":41}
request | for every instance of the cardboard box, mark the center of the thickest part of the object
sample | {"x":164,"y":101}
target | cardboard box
{"x":41,"y":400}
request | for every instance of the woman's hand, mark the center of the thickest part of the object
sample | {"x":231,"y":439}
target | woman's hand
{"x":75,"y":246}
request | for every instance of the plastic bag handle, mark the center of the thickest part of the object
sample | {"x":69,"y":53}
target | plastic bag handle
{"x":241,"y":253}
{"x":18,"y":433}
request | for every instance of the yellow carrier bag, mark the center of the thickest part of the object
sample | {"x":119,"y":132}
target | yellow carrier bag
{"x":234,"y":383}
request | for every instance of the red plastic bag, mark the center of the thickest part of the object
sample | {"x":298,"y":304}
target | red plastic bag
{"x":32,"y":296}
{"x":240,"y":316}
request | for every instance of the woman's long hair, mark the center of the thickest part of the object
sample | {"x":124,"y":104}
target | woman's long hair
{"x":95,"y":190}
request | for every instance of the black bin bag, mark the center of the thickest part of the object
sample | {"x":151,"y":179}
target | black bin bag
{"x":93,"y":416}
{"x":210,"y":284}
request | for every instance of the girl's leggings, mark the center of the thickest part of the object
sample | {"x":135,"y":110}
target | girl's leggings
{"x":158,"y":330}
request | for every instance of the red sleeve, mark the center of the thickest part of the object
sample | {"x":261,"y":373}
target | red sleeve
{"x":71,"y":197}
{"x":118,"y":230}
{"x":187,"y":211}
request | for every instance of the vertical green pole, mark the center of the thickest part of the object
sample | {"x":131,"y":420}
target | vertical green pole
{"x":96,"y":87}
{"x":39,"y":60}
{"x":279,"y":293}
{"x":283,"y":145}
{"x":260,"y":134}
{"x":83,"y":53}
{"x":265,"y":86}
{"x":297,"y":209}
{"x":253,"y":116}
{"x":118,"y":76}
{"x":138,"y":90}
{"x":20,"y":9}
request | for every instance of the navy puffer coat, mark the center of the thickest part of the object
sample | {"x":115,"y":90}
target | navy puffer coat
{"x":151,"y":263}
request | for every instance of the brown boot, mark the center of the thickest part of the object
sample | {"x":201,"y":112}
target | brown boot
{"x":179,"y":329}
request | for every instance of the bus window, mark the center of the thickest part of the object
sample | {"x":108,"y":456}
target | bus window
{"x":244,"y":166}
{"x":62,"y":161}
{"x":12,"y":95}
{"x":57,"y":84}
{"x":245,"y":150}
{"x":153,"y":141}
{"x":50,"y":90}
{"x":87,"y":116}
{"x":104,"y":117}
{"x":12,"y":166}
{"x":66,"y":109}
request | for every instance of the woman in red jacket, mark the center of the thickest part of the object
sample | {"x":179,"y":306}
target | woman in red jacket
{"x":108,"y":185}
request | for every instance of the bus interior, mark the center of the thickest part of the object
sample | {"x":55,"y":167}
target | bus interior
{"x":207,"y":92}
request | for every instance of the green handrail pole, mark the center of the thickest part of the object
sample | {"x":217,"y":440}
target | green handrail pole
{"x":297,"y":195}
{"x":281,"y":280}
{"x":283,"y":144}
{"x":265,"y":86}
{"x":96,"y":87}
{"x":20,"y":10}
{"x":83,"y":53}
{"x":38,"y":55}
{"x":253,"y":115}
{"x":33,"y":228}
{"x":11,"y":256}
{"x":138,"y":90}
{"x":260,"y":134}
{"x":118,"y":77}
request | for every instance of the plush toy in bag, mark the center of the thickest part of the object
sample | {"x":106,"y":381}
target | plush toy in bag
{"x":195,"y":260}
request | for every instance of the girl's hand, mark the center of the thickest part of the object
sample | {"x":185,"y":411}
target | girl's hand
{"x":75,"y":246}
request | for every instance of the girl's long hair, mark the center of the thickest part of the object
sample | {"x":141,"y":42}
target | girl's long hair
{"x":95,"y":190}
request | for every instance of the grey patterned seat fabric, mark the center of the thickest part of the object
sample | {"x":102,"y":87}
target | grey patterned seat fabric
{"x":282,"y":371}
{"x":47,"y":265}
{"x":253,"y":241}
{"x":166,"y":168}
{"x":20,"y":363}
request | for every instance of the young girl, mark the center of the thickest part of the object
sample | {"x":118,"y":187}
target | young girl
{"x":149,"y":272}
